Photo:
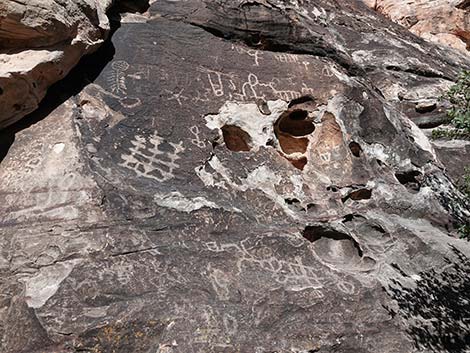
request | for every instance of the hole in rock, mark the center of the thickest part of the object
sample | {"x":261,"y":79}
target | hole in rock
{"x":355,"y":148}
{"x":351,"y":217}
{"x":356,"y":195}
{"x":254,"y":39}
{"x":333,"y":246}
{"x":311,"y":206}
{"x":214,"y":144}
{"x":291,"y":201}
{"x":263,"y":107}
{"x":398,"y":269}
{"x":290,"y":145}
{"x":236,"y":139}
{"x":132,"y":6}
{"x":294,"y":204}
{"x":301,"y":100}
{"x":1,"y":90}
{"x":380,"y":163}
{"x":295,"y":123}
{"x":410,"y":179}
{"x":425,"y":108}
{"x":298,"y":163}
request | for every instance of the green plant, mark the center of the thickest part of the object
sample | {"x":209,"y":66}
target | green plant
{"x":464,"y":231}
{"x":459,"y":98}
{"x":465,"y":182}
{"x":451,"y":134}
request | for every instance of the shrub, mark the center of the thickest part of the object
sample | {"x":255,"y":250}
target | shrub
{"x":459,"y":98}
{"x":465,"y":182}
{"x":450,"y":134}
{"x":464,"y":231}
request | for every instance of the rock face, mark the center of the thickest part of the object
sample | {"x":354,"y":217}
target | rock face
{"x":440,"y":21}
{"x":242,"y":176}
{"x":40,"y":41}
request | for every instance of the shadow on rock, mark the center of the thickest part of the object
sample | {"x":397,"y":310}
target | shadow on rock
{"x":86,"y":72}
{"x":437,"y":311}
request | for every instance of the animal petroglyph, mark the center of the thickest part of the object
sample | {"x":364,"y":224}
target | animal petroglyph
{"x":148,"y":160}
{"x":117,"y":77}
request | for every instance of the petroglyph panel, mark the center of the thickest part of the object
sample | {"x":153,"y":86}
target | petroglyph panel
{"x":148,"y":159}
{"x":293,"y":275}
{"x":249,"y":88}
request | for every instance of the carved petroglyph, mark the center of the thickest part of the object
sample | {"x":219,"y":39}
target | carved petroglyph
{"x":252,"y":88}
{"x":230,"y":324}
{"x":95,"y":96}
{"x":346,"y":287}
{"x":249,"y":88}
{"x":256,"y":54}
{"x":216,"y":79}
{"x":177,"y":96}
{"x":287,"y":58}
{"x":148,"y":160}
{"x":219,"y":282}
{"x":117,"y":77}
{"x":327,"y":72}
{"x":196,"y":141}
{"x":58,"y":200}
{"x":178,"y":201}
{"x":154,"y":275}
{"x":117,"y":81}
{"x":291,"y":275}
{"x":215,"y":328}
{"x":142,"y":72}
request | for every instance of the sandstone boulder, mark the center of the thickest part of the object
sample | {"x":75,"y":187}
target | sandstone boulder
{"x":241,"y":176}
{"x":40,"y":41}
{"x":440,"y":21}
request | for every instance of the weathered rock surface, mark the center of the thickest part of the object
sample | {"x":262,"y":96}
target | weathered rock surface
{"x":40,"y":42}
{"x":441,"y":21}
{"x":242,"y":176}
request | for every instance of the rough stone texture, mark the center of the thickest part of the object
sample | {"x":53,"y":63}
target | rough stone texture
{"x":242,"y":176}
{"x":441,"y":21}
{"x":40,"y":41}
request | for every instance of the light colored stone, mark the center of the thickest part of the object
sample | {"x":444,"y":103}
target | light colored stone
{"x":40,"y":42}
{"x":440,"y":21}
